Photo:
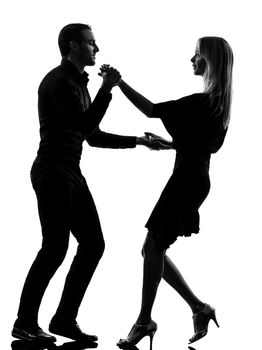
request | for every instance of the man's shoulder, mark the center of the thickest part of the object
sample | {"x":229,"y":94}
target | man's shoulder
{"x":55,"y":73}
{"x":55,"y":76}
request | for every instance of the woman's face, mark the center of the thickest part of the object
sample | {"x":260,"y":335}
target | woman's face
{"x":199,"y":63}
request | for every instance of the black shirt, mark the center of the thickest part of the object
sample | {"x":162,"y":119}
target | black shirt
{"x":192,"y":123}
{"x":67,"y":116}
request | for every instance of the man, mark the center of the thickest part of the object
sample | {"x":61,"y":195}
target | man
{"x":67,"y":118}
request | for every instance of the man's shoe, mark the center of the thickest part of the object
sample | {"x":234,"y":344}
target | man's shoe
{"x":36,"y":334}
{"x":70,"y":330}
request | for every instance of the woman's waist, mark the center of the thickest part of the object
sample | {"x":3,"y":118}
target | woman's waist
{"x":191,"y":159}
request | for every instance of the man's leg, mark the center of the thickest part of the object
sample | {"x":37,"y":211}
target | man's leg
{"x":87,"y":230}
{"x":54,"y":204}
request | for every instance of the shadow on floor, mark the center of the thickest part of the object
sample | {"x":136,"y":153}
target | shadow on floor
{"x":128,"y":346}
{"x":31,"y":345}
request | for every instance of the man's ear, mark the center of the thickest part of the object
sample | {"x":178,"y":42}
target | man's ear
{"x":74,"y":45}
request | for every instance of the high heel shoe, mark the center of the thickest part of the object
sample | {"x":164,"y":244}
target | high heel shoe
{"x":137,"y":333}
{"x":201,"y":320}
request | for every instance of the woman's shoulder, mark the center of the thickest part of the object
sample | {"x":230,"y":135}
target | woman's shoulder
{"x":184,"y":104}
{"x":193,"y":102}
{"x":198,"y":96}
{"x":189,"y":101}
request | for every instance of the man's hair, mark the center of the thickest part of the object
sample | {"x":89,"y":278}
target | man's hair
{"x":71,"y":32}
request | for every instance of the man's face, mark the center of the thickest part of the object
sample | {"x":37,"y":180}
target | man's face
{"x":87,"y":49}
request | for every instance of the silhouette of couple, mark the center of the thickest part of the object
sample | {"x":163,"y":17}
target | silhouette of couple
{"x":197,"y":124}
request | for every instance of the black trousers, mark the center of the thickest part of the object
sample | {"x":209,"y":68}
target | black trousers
{"x":65,"y":205}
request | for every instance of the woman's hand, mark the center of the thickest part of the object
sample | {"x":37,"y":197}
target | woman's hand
{"x":142,"y":103}
{"x":154,"y":142}
{"x":111,"y":77}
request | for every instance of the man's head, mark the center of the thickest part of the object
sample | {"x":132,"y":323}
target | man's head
{"x":77,"y":41}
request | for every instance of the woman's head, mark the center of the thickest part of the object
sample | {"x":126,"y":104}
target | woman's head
{"x":217,"y":59}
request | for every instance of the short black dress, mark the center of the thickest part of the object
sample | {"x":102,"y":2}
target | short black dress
{"x":197,"y":131}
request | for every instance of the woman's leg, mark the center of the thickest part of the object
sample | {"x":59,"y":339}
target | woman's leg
{"x":156,"y":265}
{"x":152,"y":274}
{"x":202,"y":312}
{"x":174,"y":278}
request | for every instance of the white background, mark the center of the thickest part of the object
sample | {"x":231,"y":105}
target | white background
{"x":151,"y":43}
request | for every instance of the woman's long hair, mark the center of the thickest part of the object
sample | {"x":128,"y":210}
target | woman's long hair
{"x":218,"y":73}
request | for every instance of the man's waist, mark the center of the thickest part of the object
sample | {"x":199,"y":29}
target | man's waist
{"x":51,"y":157}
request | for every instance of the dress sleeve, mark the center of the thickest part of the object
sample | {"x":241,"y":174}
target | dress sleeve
{"x":176,"y":108}
{"x":163,"y":109}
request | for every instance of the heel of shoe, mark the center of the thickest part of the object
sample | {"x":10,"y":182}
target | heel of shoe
{"x":201,"y":326}
{"x":137,"y":333}
{"x":213,"y":317}
{"x":151,"y":340}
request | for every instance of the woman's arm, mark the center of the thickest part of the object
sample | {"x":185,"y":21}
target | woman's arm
{"x":143,"y":104}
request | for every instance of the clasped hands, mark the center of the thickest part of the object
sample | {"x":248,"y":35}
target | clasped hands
{"x":154,"y":142}
{"x":111,"y":77}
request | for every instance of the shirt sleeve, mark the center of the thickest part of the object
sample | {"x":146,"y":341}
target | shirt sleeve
{"x":96,"y":111}
{"x":67,"y":101}
{"x":106,"y":140}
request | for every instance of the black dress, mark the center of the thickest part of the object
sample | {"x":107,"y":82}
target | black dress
{"x":197,"y":131}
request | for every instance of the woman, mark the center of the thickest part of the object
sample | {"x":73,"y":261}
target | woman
{"x":198,"y":124}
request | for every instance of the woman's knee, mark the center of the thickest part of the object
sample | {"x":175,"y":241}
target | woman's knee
{"x":150,"y":244}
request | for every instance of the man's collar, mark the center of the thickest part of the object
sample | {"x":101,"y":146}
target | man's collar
{"x":71,"y":68}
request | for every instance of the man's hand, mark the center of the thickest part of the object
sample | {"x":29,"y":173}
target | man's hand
{"x":104,"y":69}
{"x":111,"y":77}
{"x":154,"y":142}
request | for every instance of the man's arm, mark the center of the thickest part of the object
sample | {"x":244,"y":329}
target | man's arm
{"x":98,"y":107}
{"x":96,"y":111}
{"x":64,"y":95}
{"x":107,"y":140}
